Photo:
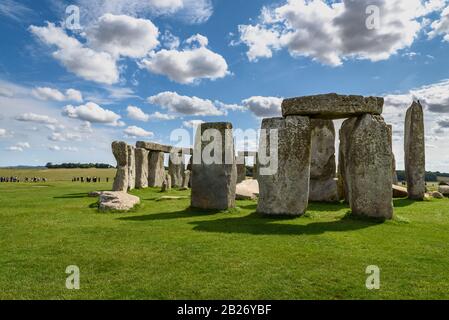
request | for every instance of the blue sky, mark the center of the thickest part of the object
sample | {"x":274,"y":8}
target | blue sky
{"x":139,"y":69}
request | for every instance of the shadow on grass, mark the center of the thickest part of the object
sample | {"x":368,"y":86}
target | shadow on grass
{"x":187,"y":213}
{"x":73,"y":196}
{"x":256,"y":224}
{"x":403,"y":202}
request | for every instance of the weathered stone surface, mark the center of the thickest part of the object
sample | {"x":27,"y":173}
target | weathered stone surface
{"x":399,"y":192}
{"x":286,"y":190}
{"x":345,"y":137}
{"x":332,"y":106}
{"x":141,"y":168}
{"x":247,"y":190}
{"x":152,"y":146}
{"x":120,"y":152}
{"x":166,"y":185}
{"x":367,"y":162}
{"x":156,"y":169}
{"x":444,"y":190}
{"x":117,"y":201}
{"x":323,"y":186}
{"x":131,"y":167}
{"x":393,"y":172}
{"x":241,"y":172}
{"x":95,"y":194}
{"x":214,"y":182}
{"x":186,"y":179}
{"x":176,"y":168}
{"x":415,"y":152}
{"x":437,"y":195}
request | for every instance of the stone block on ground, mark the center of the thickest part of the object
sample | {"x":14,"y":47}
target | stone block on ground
{"x":117,"y":201}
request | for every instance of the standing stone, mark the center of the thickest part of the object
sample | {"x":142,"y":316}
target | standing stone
{"x":131,"y":167}
{"x":214,"y":180}
{"x":323,"y":186}
{"x":415,"y":152}
{"x":285,"y":191}
{"x":241,"y":167}
{"x":186,"y":179}
{"x":156,"y":169}
{"x":393,"y":172}
{"x":176,"y":168}
{"x":367,"y":165}
{"x":141,"y":168}
{"x":166,"y":185}
{"x":120,"y":151}
{"x":345,"y":136}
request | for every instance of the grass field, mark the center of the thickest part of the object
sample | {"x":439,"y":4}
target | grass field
{"x":163,"y":250}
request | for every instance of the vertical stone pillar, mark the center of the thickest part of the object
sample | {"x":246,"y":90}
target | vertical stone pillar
{"x":141,"y":168}
{"x":415,"y":152}
{"x":156,"y":169}
{"x":323,"y":186}
{"x":176,"y":168}
{"x":241,"y":167}
{"x":393,"y":172}
{"x":120,"y":151}
{"x":214,"y":177}
{"x":131,"y":167}
{"x":186,"y":179}
{"x":367,"y":166}
{"x":285,"y":191}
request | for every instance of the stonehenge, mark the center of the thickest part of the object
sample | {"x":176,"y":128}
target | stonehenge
{"x":414,"y":150}
{"x":296,"y":160}
{"x":214,"y":170}
{"x":366,"y":161}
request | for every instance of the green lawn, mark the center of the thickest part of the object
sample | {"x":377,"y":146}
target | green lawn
{"x":163,"y":250}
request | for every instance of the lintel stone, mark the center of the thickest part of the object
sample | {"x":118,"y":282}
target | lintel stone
{"x":332,"y":106}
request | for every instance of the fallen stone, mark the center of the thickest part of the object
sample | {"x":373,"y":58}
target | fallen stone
{"x":415,"y":152}
{"x":117,"y":201}
{"x":399,"y":192}
{"x":247,"y":190}
{"x":444,"y":190}
{"x":284,"y":188}
{"x":95,"y":194}
{"x":332,"y":106}
{"x":437,"y":195}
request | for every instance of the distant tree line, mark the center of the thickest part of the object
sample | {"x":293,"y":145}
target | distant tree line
{"x":430,"y":176}
{"x":78,"y":166}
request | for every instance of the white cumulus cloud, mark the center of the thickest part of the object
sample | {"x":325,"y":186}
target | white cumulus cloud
{"x":46,"y":93}
{"x":134,"y":131}
{"x":264,"y":107}
{"x":189,"y":64}
{"x":37,"y":118}
{"x":185,"y":105}
{"x":92,"y":112}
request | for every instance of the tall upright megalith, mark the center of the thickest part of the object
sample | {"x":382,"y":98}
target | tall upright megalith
{"x":141,"y":168}
{"x":214,"y":171}
{"x":131,"y":167}
{"x":415,"y":152}
{"x":176,"y":168}
{"x":120,"y":152}
{"x":323,"y":186}
{"x":284,"y":166}
{"x":156,"y":169}
{"x":368,"y":166}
